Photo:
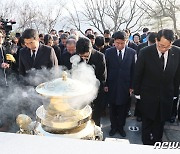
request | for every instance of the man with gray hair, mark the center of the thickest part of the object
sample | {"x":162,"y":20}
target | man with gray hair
{"x":70,"y":50}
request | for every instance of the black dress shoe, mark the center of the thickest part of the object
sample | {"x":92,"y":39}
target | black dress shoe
{"x":139,"y":119}
{"x":129,"y":113}
{"x":122,"y":132}
{"x":112,"y":132}
{"x":172,"y":120}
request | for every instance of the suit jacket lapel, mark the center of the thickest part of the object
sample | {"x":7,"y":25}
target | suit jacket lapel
{"x":38,"y":55}
{"x":125,"y":55}
{"x":170,"y":60}
{"x":29,"y":56}
{"x":155,"y":56}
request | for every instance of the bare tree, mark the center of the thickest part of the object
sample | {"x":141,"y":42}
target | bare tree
{"x":108,"y":14}
{"x":29,"y":15}
{"x":162,"y":12}
{"x":75,"y":18}
{"x":8,"y":9}
{"x":51,"y":16}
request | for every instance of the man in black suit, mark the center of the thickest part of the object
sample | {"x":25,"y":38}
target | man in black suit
{"x":157,"y":77}
{"x":70,"y":50}
{"x":96,"y":59}
{"x":151,"y":39}
{"x":120,"y":61}
{"x":176,"y":108}
{"x":35,"y":55}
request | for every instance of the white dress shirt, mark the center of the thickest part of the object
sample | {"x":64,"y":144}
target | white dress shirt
{"x":122,"y":52}
{"x":165,"y":57}
{"x":165,"y":63}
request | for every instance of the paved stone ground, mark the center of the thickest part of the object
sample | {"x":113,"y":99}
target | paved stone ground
{"x":171,"y":132}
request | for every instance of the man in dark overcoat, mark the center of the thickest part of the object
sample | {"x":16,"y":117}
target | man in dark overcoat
{"x":157,"y":76}
{"x":120,"y":62}
{"x":97,"y":60}
{"x":35,"y":55}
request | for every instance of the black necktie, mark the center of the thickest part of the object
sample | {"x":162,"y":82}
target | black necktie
{"x":162,"y":61}
{"x":120,"y":56}
{"x":33,"y":57}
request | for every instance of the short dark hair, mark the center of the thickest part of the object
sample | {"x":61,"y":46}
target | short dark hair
{"x":64,"y":36}
{"x":21,"y":41}
{"x":67,"y":32}
{"x":83,"y":45}
{"x":168,"y":34}
{"x":89,"y":29}
{"x":137,"y":34}
{"x":30,"y":33}
{"x":99,"y":41}
{"x":91,"y":36}
{"x":152,"y":37}
{"x":41,"y":35}
{"x":61,"y":31}
{"x":120,"y":35}
{"x":47,"y":37}
{"x":18,"y":35}
{"x":145,"y":30}
{"x":53,"y":30}
{"x":55,"y":38}
{"x":128,"y":31}
{"x":107,"y":31}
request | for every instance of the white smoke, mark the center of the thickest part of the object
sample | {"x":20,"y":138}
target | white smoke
{"x":22,"y":99}
{"x":85,"y":74}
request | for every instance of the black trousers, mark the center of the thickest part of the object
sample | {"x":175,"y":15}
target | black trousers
{"x":152,"y":130}
{"x":176,"y":108}
{"x":118,"y":115}
{"x":96,"y":107}
{"x":137,"y":111}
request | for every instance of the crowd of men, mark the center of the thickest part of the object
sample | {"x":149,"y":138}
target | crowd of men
{"x":146,"y":66}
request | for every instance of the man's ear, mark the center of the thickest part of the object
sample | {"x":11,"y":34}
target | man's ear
{"x":156,"y":40}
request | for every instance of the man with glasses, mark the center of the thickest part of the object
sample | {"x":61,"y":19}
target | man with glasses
{"x":96,"y":59}
{"x":157,"y":77}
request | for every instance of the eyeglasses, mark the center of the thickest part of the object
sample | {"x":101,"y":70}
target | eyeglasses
{"x":164,"y":47}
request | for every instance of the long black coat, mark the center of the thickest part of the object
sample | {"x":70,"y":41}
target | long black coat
{"x":140,"y":46}
{"x":119,"y":76}
{"x":97,"y":61}
{"x":65,"y":59}
{"x":45,"y":57}
{"x":57,"y":50}
{"x":155,"y":86}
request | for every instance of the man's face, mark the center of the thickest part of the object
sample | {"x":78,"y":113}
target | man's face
{"x":136,"y":39}
{"x":163,"y":45}
{"x":53,"y":32}
{"x":71,"y":48}
{"x":63,"y":41}
{"x":92,"y":41}
{"x":89,"y":32}
{"x":31,"y":43}
{"x":85,"y":56}
{"x":120,"y":44}
{"x":1,"y":38}
{"x":107,"y":35}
